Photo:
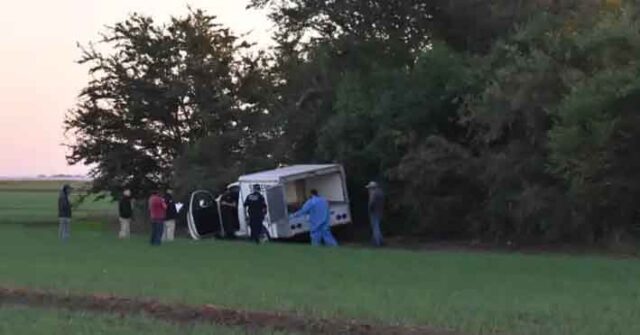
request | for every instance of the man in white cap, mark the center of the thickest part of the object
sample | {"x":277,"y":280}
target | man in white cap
{"x":125,"y":211}
{"x":376,"y":210}
{"x":169,"y":230}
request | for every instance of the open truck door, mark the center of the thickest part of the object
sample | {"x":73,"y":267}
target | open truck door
{"x":278,"y":216}
{"x":203,"y":219}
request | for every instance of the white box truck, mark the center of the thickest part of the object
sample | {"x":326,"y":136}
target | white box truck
{"x":286,"y":190}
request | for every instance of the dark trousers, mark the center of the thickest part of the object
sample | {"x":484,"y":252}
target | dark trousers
{"x":230,"y":223}
{"x":256,"y":228}
{"x":157,"y":228}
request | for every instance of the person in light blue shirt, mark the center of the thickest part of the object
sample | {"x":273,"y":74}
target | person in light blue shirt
{"x":319,"y":218}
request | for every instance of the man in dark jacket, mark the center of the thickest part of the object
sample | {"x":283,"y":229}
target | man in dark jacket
{"x":170,"y":219}
{"x":229,"y":211}
{"x":256,"y":206}
{"x":64,"y":213}
{"x":125,"y":211}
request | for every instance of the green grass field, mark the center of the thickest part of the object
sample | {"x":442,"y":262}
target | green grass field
{"x":475,"y":293}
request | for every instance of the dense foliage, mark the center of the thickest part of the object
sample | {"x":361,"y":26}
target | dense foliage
{"x":157,"y":90}
{"x":499,"y":120}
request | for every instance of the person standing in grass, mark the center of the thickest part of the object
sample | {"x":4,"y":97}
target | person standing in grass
{"x":229,"y":211}
{"x":170,"y":219}
{"x":320,"y":219}
{"x":64,"y":213}
{"x":256,"y":206}
{"x":126,"y":214}
{"x":376,"y":209}
{"x":157,"y":213}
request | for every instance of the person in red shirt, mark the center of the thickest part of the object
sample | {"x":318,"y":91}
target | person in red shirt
{"x":157,"y":212}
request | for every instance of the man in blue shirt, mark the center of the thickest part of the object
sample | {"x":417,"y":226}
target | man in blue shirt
{"x":319,"y":217}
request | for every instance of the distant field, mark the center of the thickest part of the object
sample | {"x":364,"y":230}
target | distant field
{"x":35,"y":203}
{"x":39,"y":185}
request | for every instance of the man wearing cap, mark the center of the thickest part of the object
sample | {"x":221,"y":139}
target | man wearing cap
{"x":171,"y":215}
{"x":125,"y":211}
{"x":256,"y":206}
{"x":319,"y":218}
{"x":376,"y":209}
{"x":229,"y":210}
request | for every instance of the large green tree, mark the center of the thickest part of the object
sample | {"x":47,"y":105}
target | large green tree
{"x":365,"y":83}
{"x":384,"y":115}
{"x":155,"y":90}
{"x":595,"y":137}
{"x":408,"y":25}
{"x":529,"y":78}
{"x":508,"y":119}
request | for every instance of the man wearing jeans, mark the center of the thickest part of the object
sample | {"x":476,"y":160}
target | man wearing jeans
{"x":157,"y":212}
{"x":64,"y":213}
{"x":319,"y":219}
{"x":376,"y":209}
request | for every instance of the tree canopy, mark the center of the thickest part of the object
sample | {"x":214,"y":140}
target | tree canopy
{"x":158,"y":89}
{"x":499,"y":120}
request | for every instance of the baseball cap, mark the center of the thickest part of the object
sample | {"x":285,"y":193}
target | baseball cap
{"x":372,"y":184}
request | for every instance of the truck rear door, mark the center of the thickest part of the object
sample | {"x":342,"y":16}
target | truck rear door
{"x":277,"y":210}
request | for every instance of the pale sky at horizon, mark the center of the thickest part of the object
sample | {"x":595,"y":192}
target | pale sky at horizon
{"x":39,"y":79}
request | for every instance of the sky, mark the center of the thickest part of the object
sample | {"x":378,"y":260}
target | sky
{"x":40,"y":80}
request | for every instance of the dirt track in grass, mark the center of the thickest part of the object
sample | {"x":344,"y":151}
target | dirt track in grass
{"x":205,"y":314}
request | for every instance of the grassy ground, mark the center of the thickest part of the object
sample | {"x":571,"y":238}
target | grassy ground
{"x":477,"y":293}
{"x":19,"y":320}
